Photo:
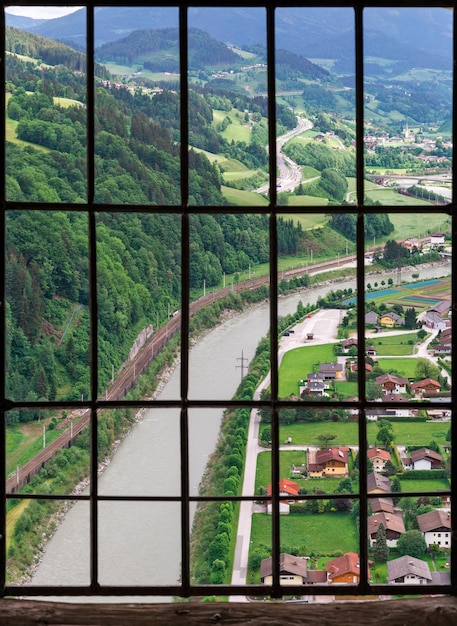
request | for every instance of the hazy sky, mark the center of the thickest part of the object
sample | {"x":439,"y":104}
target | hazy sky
{"x":45,"y":12}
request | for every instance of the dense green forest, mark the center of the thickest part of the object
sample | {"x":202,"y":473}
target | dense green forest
{"x":137,"y":161}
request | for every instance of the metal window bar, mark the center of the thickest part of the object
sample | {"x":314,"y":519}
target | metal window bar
{"x":186,"y":588}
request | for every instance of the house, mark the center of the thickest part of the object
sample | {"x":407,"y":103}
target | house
{"x":392,"y":384}
{"x":371,"y":318}
{"x":376,"y":483}
{"x":331,"y":371}
{"x":397,"y":411}
{"x":425,"y":459}
{"x":437,"y":239}
{"x":408,"y":570}
{"x":391,"y":319}
{"x":355,"y":367}
{"x":313,"y":388}
{"x":383,"y":505}
{"x":412,"y":243}
{"x":434,"y":321}
{"x":436,"y":528}
{"x":379,"y":458}
{"x":328,"y":462}
{"x":427,"y":385}
{"x":344,"y":569}
{"x":286,"y":488}
{"x":347,"y":344}
{"x":441,"y":308}
{"x":293,"y":570}
{"x":393,"y":525}
{"x":371,"y":352}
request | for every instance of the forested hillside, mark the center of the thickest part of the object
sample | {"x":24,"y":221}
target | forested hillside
{"x":138,"y":255}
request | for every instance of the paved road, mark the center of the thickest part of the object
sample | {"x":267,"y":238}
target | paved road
{"x":324,"y":325}
{"x":290,"y":174}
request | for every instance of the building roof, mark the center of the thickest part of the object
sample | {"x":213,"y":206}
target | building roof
{"x":376,"y":481}
{"x":286,"y":486}
{"x":440,"y":307}
{"x":393,"y":397}
{"x":332,"y":454}
{"x":425,"y":453}
{"x":371,"y":317}
{"x":382,"y":504}
{"x":427,"y":382}
{"x":348,"y":343}
{"x":388,"y":378}
{"x":296,"y":565}
{"x":392,"y":316}
{"x":408,"y":565}
{"x":378,"y":453}
{"x":390,"y":522}
{"x":314,"y":376}
{"x":434,"y":520}
{"x":349,"y":563}
{"x":331,"y":367}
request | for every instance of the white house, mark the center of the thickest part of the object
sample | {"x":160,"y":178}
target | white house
{"x":407,"y":570}
{"x":436,"y":528}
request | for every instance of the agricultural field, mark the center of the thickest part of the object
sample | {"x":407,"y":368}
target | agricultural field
{"x":394,"y":345}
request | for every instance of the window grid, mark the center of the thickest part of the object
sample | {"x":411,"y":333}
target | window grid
{"x":184,"y":404}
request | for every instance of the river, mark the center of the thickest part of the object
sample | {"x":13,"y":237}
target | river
{"x":140,"y":542}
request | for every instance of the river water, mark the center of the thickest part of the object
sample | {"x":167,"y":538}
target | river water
{"x":140,"y":541}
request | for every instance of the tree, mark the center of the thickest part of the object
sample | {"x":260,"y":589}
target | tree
{"x":381,"y":549}
{"x":373,"y":391}
{"x":426,"y":369}
{"x":410,"y":318}
{"x":389,"y":468}
{"x":385,"y":434}
{"x":325,"y":438}
{"x":412,"y":543}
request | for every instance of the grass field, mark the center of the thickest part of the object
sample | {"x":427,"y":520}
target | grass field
{"x":429,"y":486}
{"x":405,"y":432}
{"x":238,"y":130}
{"x":308,"y":221}
{"x":239,"y":197}
{"x":396,"y":345}
{"x":287,"y":458}
{"x":296,"y":364}
{"x":326,"y":534}
{"x":404,"y":367}
{"x":306,"y":201}
{"x":24,"y":441}
{"x":390,"y":197}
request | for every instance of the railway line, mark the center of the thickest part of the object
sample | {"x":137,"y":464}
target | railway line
{"x":127,"y":377}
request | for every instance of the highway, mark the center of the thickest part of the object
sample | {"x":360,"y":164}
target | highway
{"x":290,"y":174}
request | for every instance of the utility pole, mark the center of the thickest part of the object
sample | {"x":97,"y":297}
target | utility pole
{"x":242,"y":359}
{"x":204,"y":287}
{"x":44,"y":436}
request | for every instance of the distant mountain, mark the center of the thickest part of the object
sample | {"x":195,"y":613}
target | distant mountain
{"x":419,"y":36}
{"x":158,"y":50}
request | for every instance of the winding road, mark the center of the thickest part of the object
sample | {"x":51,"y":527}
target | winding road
{"x":290,"y":174}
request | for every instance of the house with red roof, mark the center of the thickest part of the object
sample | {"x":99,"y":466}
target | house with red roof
{"x":344,"y":569}
{"x":379,"y":458}
{"x":286,"y":488}
{"x":392,"y":384}
{"x":328,"y":462}
{"x":427,"y":385}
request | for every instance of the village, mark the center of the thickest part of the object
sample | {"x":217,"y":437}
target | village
{"x":408,"y":546}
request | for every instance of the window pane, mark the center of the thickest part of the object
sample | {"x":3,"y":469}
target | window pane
{"x":137,"y":553}
{"x":138,"y":272}
{"x":47,"y":294}
{"x":137,"y":107}
{"x":60,"y":550}
{"x":46,"y":120}
{"x":408,"y":107}
{"x":151,"y":452}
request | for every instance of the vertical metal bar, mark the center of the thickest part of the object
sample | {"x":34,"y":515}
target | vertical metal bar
{"x":93,"y":312}
{"x":363,"y":508}
{"x":275,"y":477}
{"x":453,"y":478}
{"x":185,"y":297}
{"x":3,"y":321}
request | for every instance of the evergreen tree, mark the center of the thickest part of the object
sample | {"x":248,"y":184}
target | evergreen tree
{"x":381,"y":549}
